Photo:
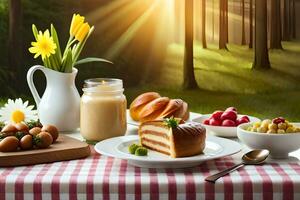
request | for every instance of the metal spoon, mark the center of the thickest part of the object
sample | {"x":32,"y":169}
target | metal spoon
{"x":253,"y":157}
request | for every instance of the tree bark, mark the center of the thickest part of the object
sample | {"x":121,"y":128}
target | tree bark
{"x":275,"y":33}
{"x":243,"y":23}
{"x":213,"y":20}
{"x":261,"y":55}
{"x":251,"y":24}
{"x":189,"y":81}
{"x":14,"y":38}
{"x":293,"y":19}
{"x":204,"y":45}
{"x":222,"y":25}
{"x":286,"y":20}
{"x":226,"y":20}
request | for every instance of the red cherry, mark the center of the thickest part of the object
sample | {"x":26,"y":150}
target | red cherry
{"x":241,"y":121}
{"x":206,"y":121}
{"x":231,"y":109}
{"x":228,"y":122}
{"x":229,"y":115}
{"x":246,"y":118}
{"x":278,"y":120}
{"x":217,"y":114}
{"x":214,"y":122}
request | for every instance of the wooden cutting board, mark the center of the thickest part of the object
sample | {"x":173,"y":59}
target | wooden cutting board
{"x":65,"y":148}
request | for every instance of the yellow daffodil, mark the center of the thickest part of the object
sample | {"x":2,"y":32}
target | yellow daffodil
{"x":82,"y":32}
{"x":44,"y":45}
{"x":77,"y":22}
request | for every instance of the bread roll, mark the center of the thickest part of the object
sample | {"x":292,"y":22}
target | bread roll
{"x":139,"y":102}
{"x":151,"y":106}
{"x":183,"y":112}
{"x":153,"y":109}
{"x":173,"y":106}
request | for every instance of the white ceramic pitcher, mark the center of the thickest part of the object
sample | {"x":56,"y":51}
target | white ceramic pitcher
{"x":60,"y":103}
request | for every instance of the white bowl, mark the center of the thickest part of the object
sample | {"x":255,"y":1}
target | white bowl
{"x":279,"y":145}
{"x":223,"y":131}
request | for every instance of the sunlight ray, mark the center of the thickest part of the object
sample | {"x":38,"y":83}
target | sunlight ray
{"x":125,"y":38}
{"x":124,"y":11}
{"x":103,"y":11}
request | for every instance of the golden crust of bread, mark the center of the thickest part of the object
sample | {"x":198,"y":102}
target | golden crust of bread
{"x":153,"y":109}
{"x":171,"y":108}
{"x":139,"y":102}
{"x":144,"y":107}
{"x":183,"y":112}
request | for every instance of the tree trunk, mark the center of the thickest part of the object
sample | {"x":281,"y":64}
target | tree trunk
{"x":213,"y":20}
{"x":14,"y":38}
{"x":251,"y":24}
{"x":261,"y":55}
{"x":275,"y":33}
{"x":222,"y":26}
{"x":189,"y":80}
{"x":204,"y":45}
{"x":243,"y":23}
{"x":293,"y":19}
{"x":286,"y":20}
{"x":226,"y":20}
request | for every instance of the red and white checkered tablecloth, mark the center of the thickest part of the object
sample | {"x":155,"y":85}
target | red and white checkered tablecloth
{"x":100,"y":177}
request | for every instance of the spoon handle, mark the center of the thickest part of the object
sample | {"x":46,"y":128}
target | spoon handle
{"x":215,"y":177}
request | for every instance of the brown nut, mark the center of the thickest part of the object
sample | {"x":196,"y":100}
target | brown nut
{"x":43,"y":140}
{"x":52,"y":130}
{"x":34,"y":131}
{"x":9,"y":128}
{"x":22,"y":127}
{"x":9,"y":144}
{"x":26,"y":142}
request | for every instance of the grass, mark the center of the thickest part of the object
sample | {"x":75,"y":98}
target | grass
{"x":230,"y":71}
{"x":226,"y":79}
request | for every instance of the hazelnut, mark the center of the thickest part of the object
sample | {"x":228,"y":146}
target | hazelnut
{"x":22,"y":127}
{"x":9,"y":128}
{"x":34,"y":131}
{"x":52,"y":130}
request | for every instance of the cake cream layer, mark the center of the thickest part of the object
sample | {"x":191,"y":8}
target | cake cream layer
{"x":157,"y":129}
{"x":157,"y":138}
{"x":156,"y":147}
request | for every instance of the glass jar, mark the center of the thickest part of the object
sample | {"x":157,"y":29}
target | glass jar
{"x":102,"y":109}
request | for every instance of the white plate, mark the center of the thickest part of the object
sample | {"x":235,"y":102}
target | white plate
{"x":135,"y":123}
{"x":118,"y":148}
{"x":222,"y":131}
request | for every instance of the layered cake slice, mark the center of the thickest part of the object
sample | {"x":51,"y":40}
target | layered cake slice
{"x":173,"y":139}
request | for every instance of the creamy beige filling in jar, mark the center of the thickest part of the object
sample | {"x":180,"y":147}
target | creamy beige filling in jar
{"x":103,"y":109}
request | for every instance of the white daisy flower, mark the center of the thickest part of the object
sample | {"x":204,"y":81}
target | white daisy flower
{"x":17,"y":111}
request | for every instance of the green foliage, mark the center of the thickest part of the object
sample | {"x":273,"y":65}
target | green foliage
{"x":171,"y":122}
